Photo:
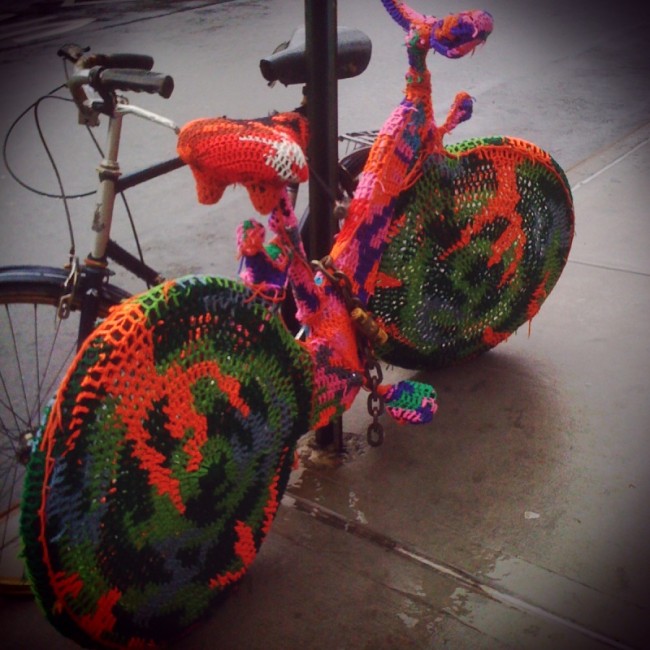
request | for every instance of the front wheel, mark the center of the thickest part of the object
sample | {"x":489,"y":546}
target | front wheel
{"x":479,"y":242}
{"x":36,"y":347}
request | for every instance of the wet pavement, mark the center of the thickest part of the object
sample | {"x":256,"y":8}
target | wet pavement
{"x":519,"y":517}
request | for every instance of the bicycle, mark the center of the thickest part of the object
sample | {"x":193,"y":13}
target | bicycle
{"x":174,"y":427}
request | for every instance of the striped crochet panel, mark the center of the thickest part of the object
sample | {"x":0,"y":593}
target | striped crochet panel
{"x":162,"y":462}
{"x":474,"y":250}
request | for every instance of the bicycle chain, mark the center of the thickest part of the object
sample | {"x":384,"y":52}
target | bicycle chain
{"x":372,"y":334}
{"x":376,"y":405}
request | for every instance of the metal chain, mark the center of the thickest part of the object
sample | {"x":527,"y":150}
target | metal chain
{"x":362,"y":319}
{"x":376,"y":405}
{"x":339,"y":280}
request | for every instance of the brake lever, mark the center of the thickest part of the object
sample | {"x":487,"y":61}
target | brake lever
{"x":72,"y":52}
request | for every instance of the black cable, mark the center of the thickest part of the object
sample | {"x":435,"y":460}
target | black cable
{"x":34,"y":107}
{"x":62,"y":196}
{"x":59,"y":180}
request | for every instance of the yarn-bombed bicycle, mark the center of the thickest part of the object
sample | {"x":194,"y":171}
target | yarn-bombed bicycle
{"x":162,"y":460}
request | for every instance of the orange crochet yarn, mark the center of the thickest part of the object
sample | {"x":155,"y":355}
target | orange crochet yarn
{"x":263,"y":155}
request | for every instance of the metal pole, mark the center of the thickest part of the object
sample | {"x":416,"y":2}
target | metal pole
{"x":322,"y":108}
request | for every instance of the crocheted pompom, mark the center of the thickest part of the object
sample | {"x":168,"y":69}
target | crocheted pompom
{"x":162,"y":462}
{"x":410,"y":402}
{"x":263,"y":155}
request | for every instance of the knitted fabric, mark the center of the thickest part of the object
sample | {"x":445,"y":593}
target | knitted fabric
{"x":162,"y":461}
{"x":404,"y":141}
{"x":410,"y":402}
{"x":332,"y":339}
{"x":476,"y":247}
{"x":454,"y":248}
{"x":263,"y":155}
{"x":453,"y":36}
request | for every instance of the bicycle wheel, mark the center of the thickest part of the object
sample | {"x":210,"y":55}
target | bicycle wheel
{"x":162,"y":462}
{"x":482,"y":238}
{"x":35,"y":349}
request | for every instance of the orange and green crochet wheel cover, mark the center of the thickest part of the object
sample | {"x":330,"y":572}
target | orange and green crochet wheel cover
{"x":162,"y":461}
{"x":479,"y":242}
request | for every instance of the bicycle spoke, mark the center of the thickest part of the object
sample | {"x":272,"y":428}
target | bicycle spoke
{"x":8,"y":404}
{"x":29,"y":370}
{"x":47,"y":391}
{"x":18,"y":364}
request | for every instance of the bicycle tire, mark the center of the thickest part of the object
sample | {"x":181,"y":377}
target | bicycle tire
{"x":439,"y":311}
{"x":483,"y":237}
{"x":162,"y":461}
{"x":35,"y":349}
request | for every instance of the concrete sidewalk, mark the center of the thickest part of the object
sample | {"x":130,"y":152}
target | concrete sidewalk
{"x":518,"y":519}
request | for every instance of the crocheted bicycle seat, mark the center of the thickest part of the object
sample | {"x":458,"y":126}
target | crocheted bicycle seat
{"x":162,"y":461}
{"x":477,"y":245}
{"x":263,"y":155}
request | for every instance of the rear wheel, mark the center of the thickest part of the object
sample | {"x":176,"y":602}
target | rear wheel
{"x":36,"y":347}
{"x":163,"y":462}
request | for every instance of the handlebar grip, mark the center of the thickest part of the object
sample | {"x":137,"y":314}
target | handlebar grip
{"x":134,"y":80}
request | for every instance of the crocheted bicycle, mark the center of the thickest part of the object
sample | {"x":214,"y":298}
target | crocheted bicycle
{"x":162,"y":460}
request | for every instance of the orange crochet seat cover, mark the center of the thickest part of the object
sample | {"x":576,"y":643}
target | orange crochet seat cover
{"x":263,"y":155}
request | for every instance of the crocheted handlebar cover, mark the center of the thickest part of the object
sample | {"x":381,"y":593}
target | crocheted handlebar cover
{"x":476,"y":247}
{"x":162,"y":462}
{"x":263,"y":155}
{"x":453,"y":36}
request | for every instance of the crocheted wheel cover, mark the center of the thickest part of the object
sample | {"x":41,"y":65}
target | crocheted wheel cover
{"x":480,"y":242}
{"x":162,"y":462}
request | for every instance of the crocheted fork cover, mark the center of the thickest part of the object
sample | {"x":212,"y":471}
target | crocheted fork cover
{"x":479,"y":243}
{"x":162,"y":462}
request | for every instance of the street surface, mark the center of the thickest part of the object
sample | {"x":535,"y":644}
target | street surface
{"x":519,"y":518}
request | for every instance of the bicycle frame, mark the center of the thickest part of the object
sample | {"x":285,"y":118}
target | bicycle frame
{"x":176,"y":422}
{"x":113,"y":183}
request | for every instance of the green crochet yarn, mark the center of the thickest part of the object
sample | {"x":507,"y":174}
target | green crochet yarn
{"x":162,"y":462}
{"x":483,"y":237}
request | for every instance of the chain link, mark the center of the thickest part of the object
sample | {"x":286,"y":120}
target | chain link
{"x":376,"y":406}
{"x":362,"y":319}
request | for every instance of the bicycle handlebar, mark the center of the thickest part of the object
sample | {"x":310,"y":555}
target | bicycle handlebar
{"x":110,"y":79}
{"x":106,"y":73}
{"x":84,"y":60}
{"x":119,"y":60}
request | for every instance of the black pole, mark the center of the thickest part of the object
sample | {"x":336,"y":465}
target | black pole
{"x":322,"y":110}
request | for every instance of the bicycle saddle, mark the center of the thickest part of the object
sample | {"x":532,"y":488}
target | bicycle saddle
{"x":289,"y":64}
{"x":263,"y":155}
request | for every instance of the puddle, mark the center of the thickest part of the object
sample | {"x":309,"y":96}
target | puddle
{"x":312,"y":456}
{"x":352,"y":504}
